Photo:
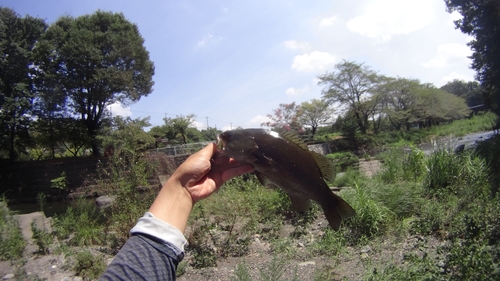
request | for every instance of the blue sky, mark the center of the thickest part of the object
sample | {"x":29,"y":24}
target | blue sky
{"x":235,"y":61}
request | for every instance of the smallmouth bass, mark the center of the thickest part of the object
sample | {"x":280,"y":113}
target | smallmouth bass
{"x":283,"y":160}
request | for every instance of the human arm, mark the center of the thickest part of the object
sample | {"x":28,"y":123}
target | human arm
{"x":157,"y":242}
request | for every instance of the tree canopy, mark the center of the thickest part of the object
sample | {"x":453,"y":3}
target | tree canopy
{"x":481,"y":20}
{"x":351,"y":86}
{"x":95,"y":60}
{"x":18,"y":37}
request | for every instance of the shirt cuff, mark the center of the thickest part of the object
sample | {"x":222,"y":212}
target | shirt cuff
{"x":150,"y":225}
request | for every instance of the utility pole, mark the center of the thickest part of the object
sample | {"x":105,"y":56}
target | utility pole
{"x":207,"y":122}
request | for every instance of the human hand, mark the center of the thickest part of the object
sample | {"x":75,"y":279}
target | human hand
{"x":202,"y":174}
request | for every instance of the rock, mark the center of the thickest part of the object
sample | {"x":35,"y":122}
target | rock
{"x":104,"y":201}
{"x":8,"y":276}
{"x":163,"y":179}
{"x":25,"y":224}
{"x":366,"y":249}
{"x":307,"y":263}
{"x":78,"y":278}
{"x":300,"y":245}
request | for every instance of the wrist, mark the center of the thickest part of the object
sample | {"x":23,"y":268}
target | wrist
{"x":173,"y":204}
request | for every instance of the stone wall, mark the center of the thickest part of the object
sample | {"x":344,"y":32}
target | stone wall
{"x":20,"y":182}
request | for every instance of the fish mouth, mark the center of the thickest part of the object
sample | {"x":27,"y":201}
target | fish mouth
{"x":221,"y":141}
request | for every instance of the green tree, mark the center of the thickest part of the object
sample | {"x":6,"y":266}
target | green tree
{"x":96,"y":60}
{"x":399,"y":96}
{"x":352,"y":86}
{"x":180,"y":125}
{"x":470,"y":91}
{"x":314,"y":114}
{"x":210,"y":134}
{"x":286,"y":117}
{"x":18,"y":38}
{"x":127,"y":135}
{"x":434,"y":106}
{"x":481,"y":20}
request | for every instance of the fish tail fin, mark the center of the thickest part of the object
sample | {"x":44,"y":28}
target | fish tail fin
{"x":337,"y":210}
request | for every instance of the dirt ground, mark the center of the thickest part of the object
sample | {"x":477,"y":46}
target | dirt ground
{"x":351,"y":264}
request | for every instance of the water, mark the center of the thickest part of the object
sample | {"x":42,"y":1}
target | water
{"x":49,"y":208}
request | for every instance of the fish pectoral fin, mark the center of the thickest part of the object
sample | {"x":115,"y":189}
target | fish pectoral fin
{"x":300,"y":204}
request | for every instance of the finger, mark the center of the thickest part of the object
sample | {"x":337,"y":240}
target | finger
{"x":208,"y":151}
{"x":236,"y":171}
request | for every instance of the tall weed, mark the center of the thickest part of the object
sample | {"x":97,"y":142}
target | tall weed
{"x":402,"y":164}
{"x":82,"y":223}
{"x":11,"y":240}
{"x":372,"y":217}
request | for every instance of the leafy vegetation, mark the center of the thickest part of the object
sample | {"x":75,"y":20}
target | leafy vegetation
{"x":11,"y":240}
{"x":88,"y":266}
{"x":42,"y":238}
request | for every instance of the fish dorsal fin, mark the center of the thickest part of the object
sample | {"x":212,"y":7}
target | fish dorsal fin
{"x":293,"y":138}
{"x":326,"y":166}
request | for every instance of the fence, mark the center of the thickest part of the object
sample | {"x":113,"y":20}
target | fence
{"x":182,"y":149}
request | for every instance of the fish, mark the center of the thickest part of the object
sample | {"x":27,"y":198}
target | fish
{"x":280,"y":159}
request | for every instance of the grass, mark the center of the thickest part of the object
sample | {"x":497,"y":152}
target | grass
{"x":82,"y":224}
{"x":89,"y":266}
{"x":11,"y":240}
{"x":446,"y":196}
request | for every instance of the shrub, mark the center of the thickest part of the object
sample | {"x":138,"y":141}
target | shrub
{"x":42,"y":238}
{"x":84,"y":220}
{"x":241,"y":272}
{"x":11,"y":240}
{"x":443,"y":167}
{"x":402,"y":164}
{"x":372,"y":217}
{"x":88,"y":266}
{"x":343,"y":160}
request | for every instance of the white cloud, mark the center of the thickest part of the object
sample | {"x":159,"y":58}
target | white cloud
{"x":257,"y":120}
{"x":453,"y":17}
{"x":296,"y":91}
{"x":385,"y":18}
{"x":454,"y":76}
{"x":448,"y":54}
{"x":207,"y":40}
{"x":117,"y":109}
{"x":200,"y":125}
{"x":315,"y":61}
{"x":296,"y":45}
{"x":327,"y":21}
{"x":224,"y":9}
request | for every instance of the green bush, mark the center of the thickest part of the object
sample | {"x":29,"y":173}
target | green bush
{"x":402,"y":164}
{"x":11,"y":240}
{"x":82,"y":222}
{"x":349,"y":178}
{"x":42,"y":238}
{"x":443,"y":168}
{"x":88,"y":266}
{"x":343,"y":160}
{"x":241,"y":272}
{"x":372,"y":217}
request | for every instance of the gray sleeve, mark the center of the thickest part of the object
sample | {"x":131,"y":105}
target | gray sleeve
{"x":152,"y":252}
{"x":144,"y":258}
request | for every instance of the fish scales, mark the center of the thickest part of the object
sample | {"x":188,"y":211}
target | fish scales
{"x":282,"y":160}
